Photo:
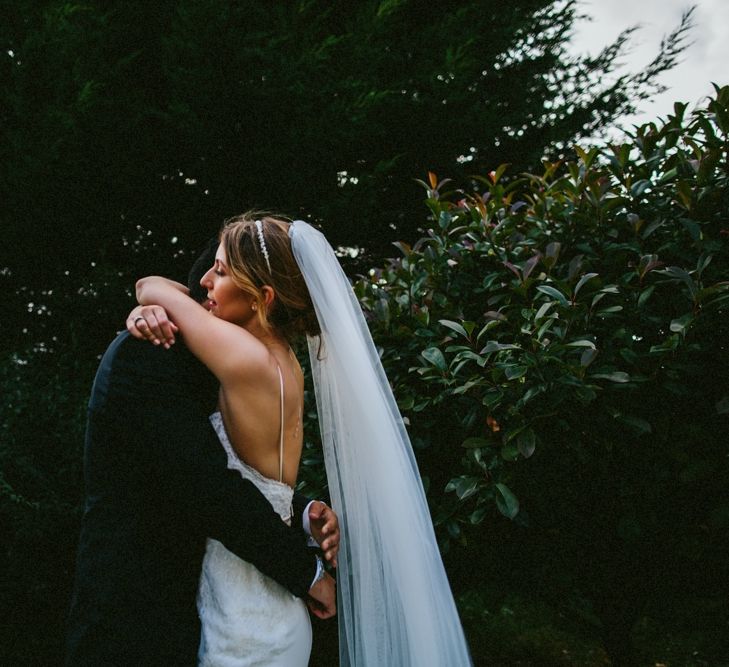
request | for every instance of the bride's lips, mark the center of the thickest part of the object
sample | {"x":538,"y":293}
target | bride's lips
{"x":209,"y":304}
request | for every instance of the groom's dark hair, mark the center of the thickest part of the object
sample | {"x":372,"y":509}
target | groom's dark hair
{"x":204,"y":261}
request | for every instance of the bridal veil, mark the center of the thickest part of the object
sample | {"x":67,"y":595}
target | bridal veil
{"x":394,"y":602}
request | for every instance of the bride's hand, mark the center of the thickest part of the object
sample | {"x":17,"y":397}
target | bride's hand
{"x":324,"y":527}
{"x":151,"y":323}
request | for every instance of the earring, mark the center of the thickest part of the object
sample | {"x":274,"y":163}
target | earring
{"x":254,"y":307}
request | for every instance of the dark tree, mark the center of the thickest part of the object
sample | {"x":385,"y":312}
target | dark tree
{"x":166,"y":117}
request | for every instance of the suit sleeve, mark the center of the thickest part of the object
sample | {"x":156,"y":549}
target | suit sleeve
{"x":193,"y":467}
{"x":300,"y":502}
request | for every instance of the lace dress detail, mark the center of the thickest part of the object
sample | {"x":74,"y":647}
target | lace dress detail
{"x":278,"y":494}
{"x":246,"y":617}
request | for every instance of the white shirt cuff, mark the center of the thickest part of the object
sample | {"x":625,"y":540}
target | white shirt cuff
{"x":311,"y":542}
{"x":319,"y":574}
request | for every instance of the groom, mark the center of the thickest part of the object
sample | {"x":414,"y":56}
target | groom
{"x":157,"y":485}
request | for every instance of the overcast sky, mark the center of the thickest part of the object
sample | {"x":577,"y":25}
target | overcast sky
{"x":705,"y":60}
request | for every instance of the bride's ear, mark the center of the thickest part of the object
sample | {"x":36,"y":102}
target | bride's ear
{"x":269,"y":296}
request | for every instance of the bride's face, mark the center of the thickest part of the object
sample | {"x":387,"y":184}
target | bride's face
{"x":226,"y":300}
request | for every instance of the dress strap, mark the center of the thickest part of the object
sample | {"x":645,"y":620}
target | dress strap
{"x":281,"y":437}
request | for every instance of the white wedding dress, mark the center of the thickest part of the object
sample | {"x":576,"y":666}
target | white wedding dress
{"x":246,"y":617}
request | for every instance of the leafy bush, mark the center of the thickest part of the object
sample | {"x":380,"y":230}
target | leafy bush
{"x":538,"y":300}
{"x":557,"y":344}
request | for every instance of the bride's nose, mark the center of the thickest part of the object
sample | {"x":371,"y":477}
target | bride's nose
{"x":205,"y":280}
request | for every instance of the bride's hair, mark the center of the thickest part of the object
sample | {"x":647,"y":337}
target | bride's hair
{"x":263,"y":258}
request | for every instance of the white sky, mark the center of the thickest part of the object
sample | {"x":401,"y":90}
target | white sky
{"x":704,"y":61}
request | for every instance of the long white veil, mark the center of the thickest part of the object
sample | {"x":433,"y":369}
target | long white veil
{"x":394,"y":603}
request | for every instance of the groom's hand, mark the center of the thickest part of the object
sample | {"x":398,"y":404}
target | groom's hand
{"x":323,"y":598}
{"x":324,"y":526}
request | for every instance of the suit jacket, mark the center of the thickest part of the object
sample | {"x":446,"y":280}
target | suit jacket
{"x":157,"y":484}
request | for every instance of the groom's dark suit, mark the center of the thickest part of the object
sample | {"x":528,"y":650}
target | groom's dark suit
{"x":157,"y":485}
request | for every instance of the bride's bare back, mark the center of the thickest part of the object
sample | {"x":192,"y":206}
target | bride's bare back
{"x":251,"y":410}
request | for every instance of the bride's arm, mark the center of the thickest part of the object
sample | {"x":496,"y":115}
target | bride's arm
{"x":226,"y":349}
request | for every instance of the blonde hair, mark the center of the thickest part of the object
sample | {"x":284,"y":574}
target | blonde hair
{"x":292,"y":313}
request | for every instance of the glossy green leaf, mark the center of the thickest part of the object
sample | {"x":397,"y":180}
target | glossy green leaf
{"x":455,"y":326}
{"x":551,"y":254}
{"x":670,"y":344}
{"x":532,"y":392}
{"x":645,"y":295}
{"x":543,"y":310}
{"x":434,"y":356}
{"x":492,"y":399}
{"x":651,"y":227}
{"x":477,"y":515}
{"x":464,"y":487}
{"x":554,"y":293}
{"x":543,"y":329}
{"x":584,"y":279}
{"x":616,"y":376}
{"x":493,"y":346}
{"x":587,"y":357}
{"x":581,"y":343}
{"x":703,"y":262}
{"x":639,"y":187}
{"x":506,"y":501}
{"x":472,"y":443}
{"x":530,"y":264}
{"x":526,"y":442}
{"x":514,"y":372}
{"x":680,"y":324}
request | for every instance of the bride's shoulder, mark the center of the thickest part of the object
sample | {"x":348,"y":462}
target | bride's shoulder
{"x":252,"y":363}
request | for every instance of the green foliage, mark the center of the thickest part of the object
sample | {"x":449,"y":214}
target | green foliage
{"x":127,"y":119}
{"x":42,"y":419}
{"x":539,"y":302}
{"x":507,"y":629}
{"x":557,"y":345}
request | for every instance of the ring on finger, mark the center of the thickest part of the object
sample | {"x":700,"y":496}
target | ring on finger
{"x":136,"y":319}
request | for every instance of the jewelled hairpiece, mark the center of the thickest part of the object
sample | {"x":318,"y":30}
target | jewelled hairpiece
{"x":262,"y":242}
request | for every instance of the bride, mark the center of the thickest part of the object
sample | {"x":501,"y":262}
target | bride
{"x":273,"y":280}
